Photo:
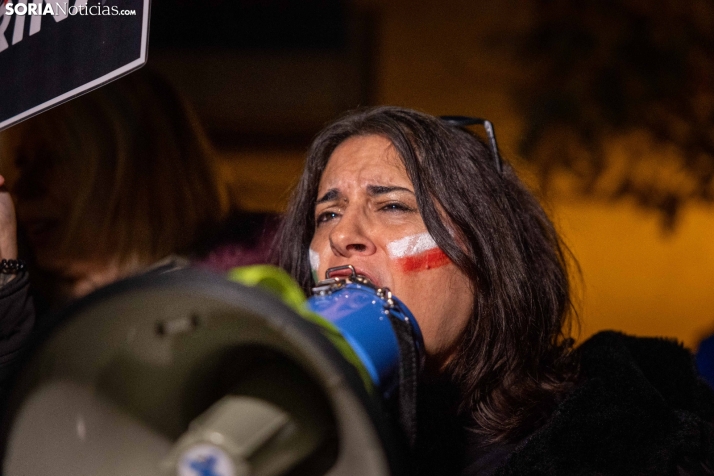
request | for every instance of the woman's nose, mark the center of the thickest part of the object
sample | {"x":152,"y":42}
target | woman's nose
{"x":351,"y":236}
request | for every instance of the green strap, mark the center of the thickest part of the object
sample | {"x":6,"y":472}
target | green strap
{"x":278,"y":282}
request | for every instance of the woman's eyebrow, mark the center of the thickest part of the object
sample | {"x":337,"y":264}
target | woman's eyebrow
{"x":374,"y":190}
{"x":330,"y":196}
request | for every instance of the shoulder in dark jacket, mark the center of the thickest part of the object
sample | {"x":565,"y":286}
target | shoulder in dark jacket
{"x":17,"y":318}
{"x":641,"y":409}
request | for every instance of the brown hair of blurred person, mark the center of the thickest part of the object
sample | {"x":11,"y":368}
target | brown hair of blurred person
{"x":111,"y":182}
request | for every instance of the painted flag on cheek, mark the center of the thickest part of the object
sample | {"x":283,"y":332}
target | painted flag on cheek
{"x":314,"y":264}
{"x":417,"y":253}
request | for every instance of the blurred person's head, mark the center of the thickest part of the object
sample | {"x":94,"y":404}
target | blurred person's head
{"x":112,"y":181}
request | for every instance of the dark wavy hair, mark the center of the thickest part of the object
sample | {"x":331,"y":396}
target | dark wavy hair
{"x":514,"y":359}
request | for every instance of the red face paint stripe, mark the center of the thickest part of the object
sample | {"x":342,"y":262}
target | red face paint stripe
{"x":433,"y":258}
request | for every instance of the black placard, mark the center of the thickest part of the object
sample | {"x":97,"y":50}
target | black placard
{"x":48,"y":59}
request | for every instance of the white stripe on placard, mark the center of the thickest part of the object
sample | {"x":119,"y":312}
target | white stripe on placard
{"x":92,"y":85}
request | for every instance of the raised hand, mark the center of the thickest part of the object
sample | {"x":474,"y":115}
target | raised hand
{"x":8,"y":224}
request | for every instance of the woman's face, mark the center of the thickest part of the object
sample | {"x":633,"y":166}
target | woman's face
{"x":366,"y":215}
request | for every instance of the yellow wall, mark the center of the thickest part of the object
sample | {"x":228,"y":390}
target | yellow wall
{"x":636,"y":278}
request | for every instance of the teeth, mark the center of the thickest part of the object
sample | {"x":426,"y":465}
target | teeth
{"x":372,"y":280}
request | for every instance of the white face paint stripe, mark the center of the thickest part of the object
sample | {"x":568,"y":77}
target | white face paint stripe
{"x":411,"y":245}
{"x":314,"y":260}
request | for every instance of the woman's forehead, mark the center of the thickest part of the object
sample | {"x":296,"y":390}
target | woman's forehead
{"x":364,"y":161}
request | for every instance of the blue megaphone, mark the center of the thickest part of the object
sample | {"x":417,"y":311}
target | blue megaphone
{"x":376,"y":324}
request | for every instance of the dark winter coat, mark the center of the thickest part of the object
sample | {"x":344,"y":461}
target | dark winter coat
{"x":641,"y":409}
{"x":17,"y":318}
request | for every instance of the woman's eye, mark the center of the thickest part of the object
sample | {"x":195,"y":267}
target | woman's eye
{"x":325,"y":217}
{"x":397,"y":207}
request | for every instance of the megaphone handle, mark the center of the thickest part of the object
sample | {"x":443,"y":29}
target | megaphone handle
{"x":408,"y":377}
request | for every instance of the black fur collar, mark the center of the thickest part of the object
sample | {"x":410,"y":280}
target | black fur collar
{"x":640,"y":410}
